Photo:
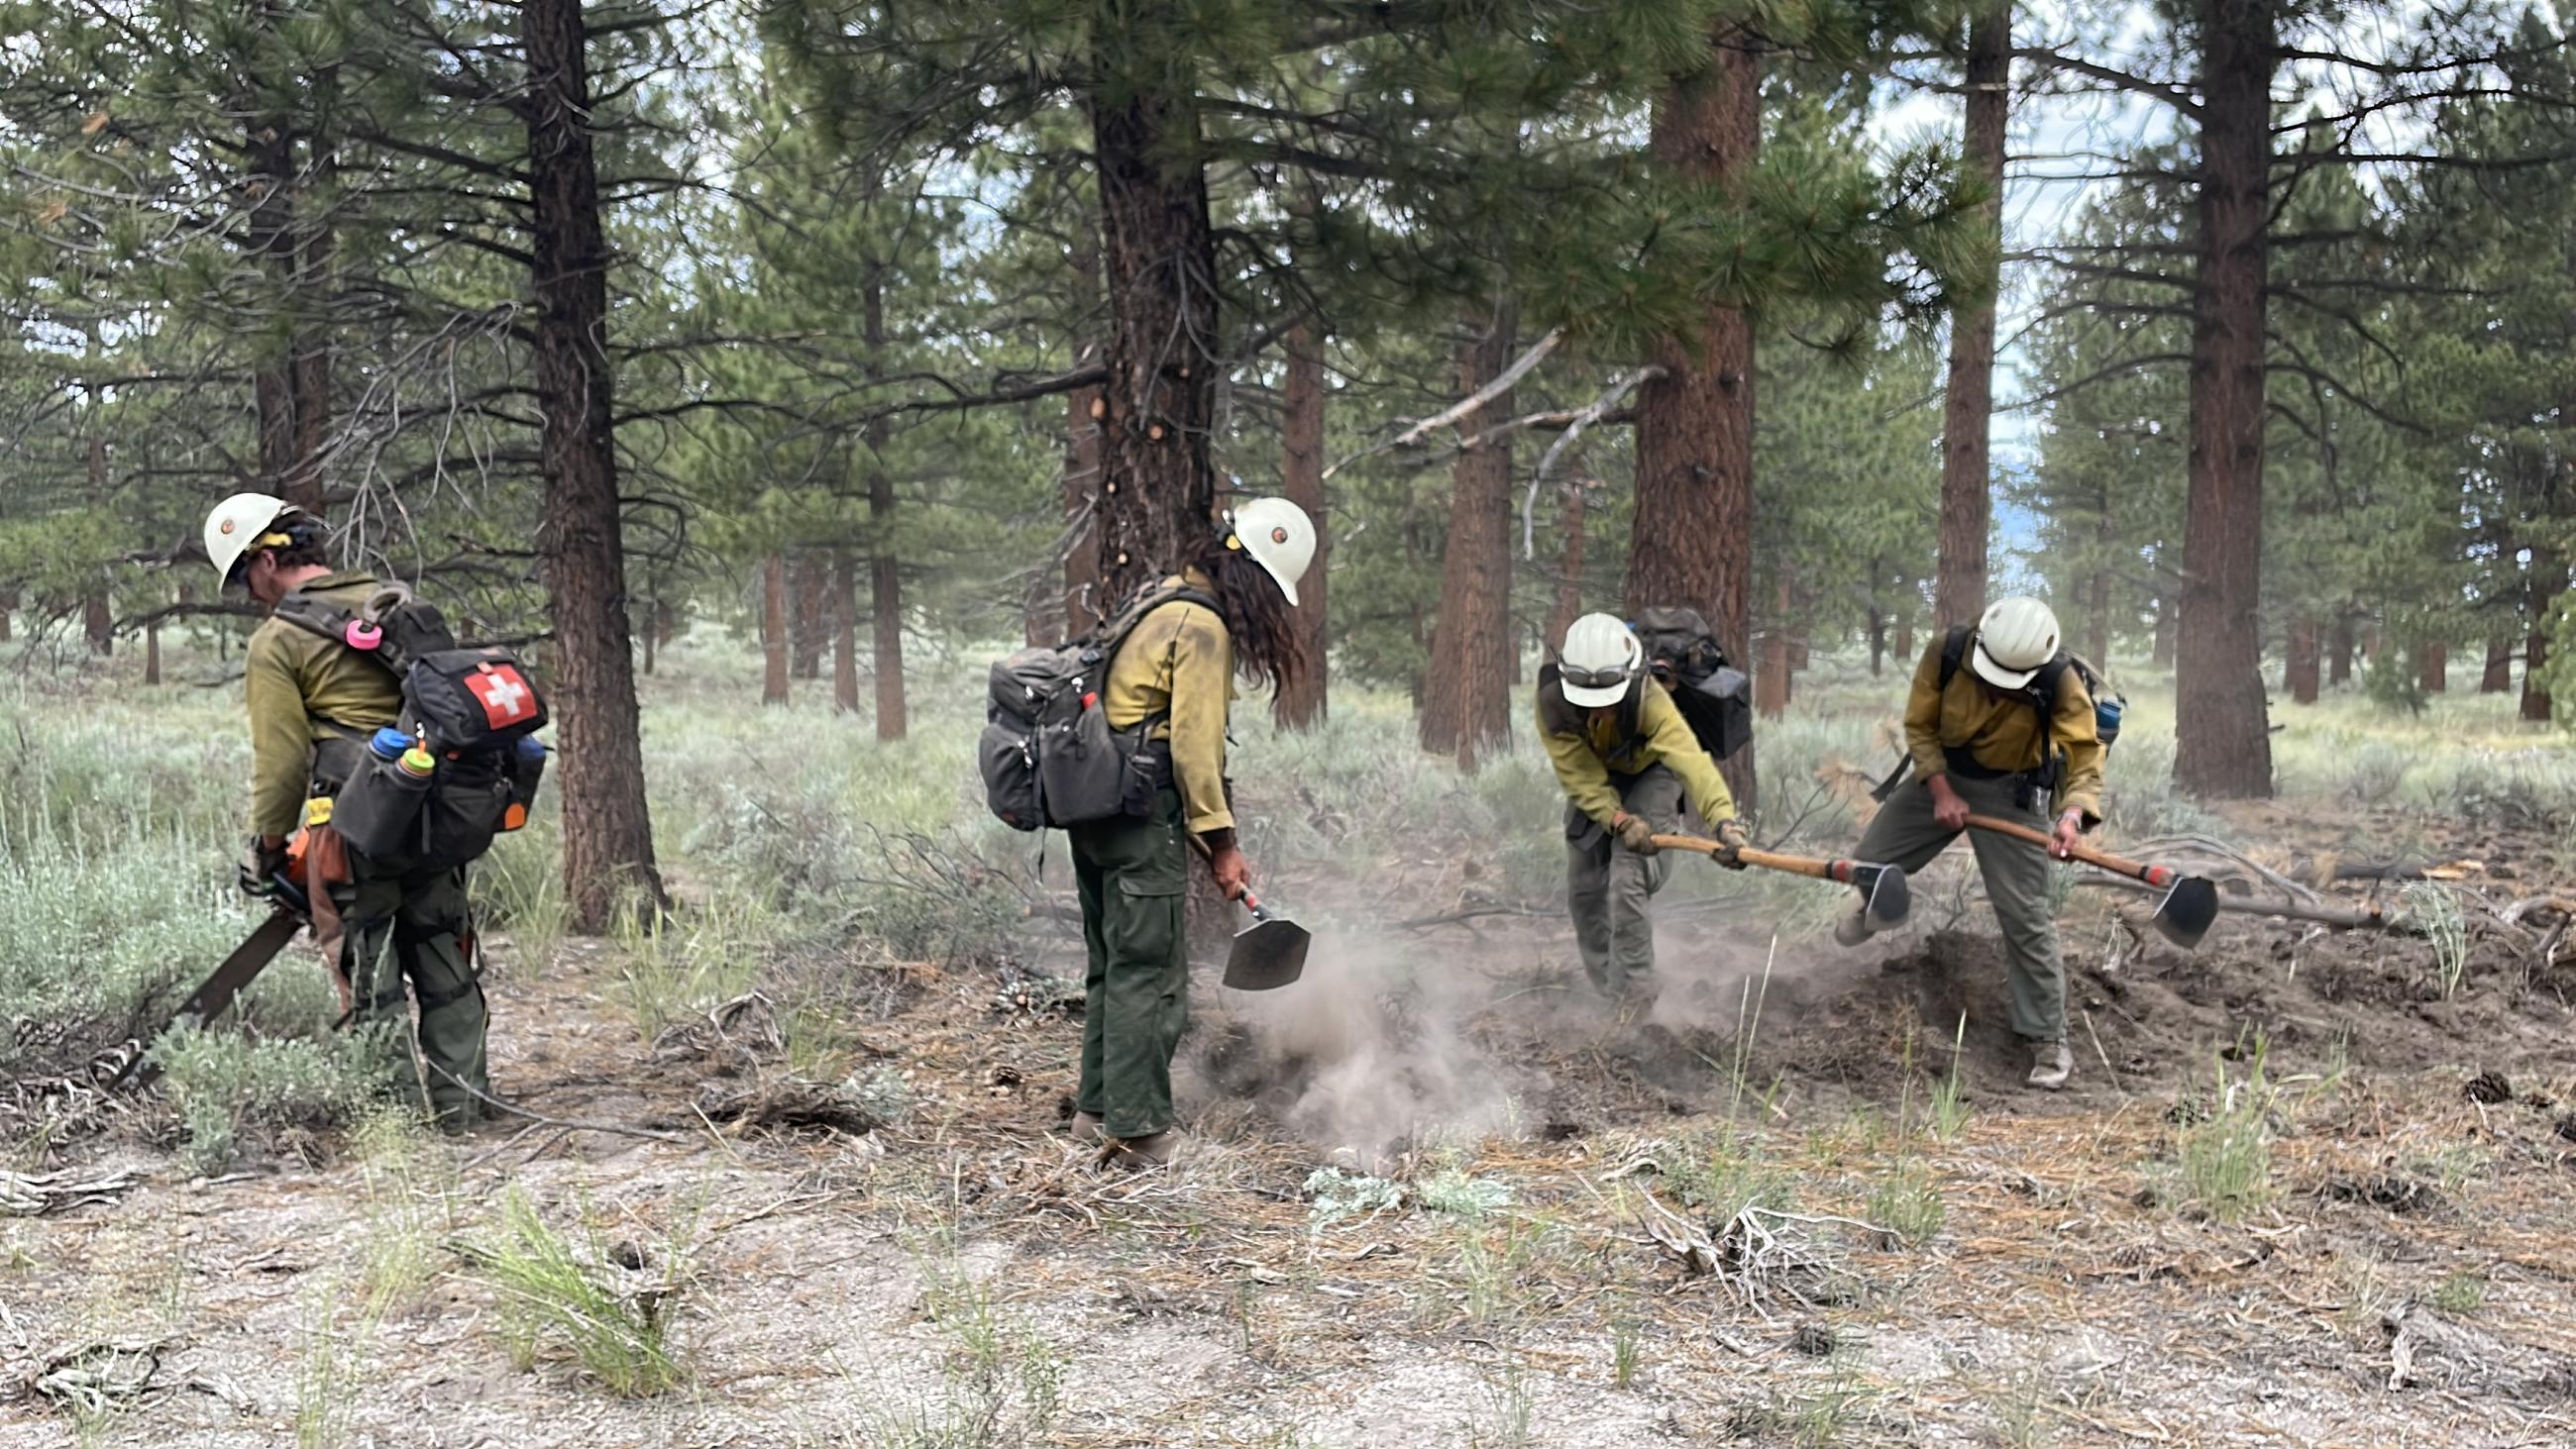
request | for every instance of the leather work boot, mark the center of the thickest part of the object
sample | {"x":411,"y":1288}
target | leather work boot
{"x":1086,"y":1127}
{"x":1139,"y":1154}
{"x":2050,"y":1065}
{"x":1853,"y":928}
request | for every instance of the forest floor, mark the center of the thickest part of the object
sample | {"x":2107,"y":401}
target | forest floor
{"x":2305,"y":1188}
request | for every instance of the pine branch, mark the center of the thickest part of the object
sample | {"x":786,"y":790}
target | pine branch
{"x":1501,"y":384}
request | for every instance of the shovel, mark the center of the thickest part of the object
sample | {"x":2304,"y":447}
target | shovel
{"x":2190,"y":902}
{"x":1269,"y":953}
{"x":1882,"y":887}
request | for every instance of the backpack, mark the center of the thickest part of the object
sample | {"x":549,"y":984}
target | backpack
{"x":1713,"y":695}
{"x":2108,"y":706}
{"x":472,"y":709}
{"x":1048,"y":755}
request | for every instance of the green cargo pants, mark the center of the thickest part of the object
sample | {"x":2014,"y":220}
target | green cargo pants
{"x":417,"y":919}
{"x":1608,"y":886}
{"x":2017,"y":880}
{"x":1132,"y":875}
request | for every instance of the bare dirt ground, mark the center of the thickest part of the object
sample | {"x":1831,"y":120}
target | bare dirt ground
{"x":2021,"y":1269}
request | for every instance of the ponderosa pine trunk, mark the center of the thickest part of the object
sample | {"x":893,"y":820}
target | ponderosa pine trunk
{"x":1877,"y":642}
{"x":1466,"y":702}
{"x":2222,"y":735}
{"x":608,"y":831}
{"x":1082,"y":504}
{"x":2497,"y":678}
{"x":1771,"y":671}
{"x":1692,"y":541}
{"x":2299,"y":669}
{"x":1301,"y":481}
{"x":8,"y":608}
{"x":1158,"y":259}
{"x":1967,"y":409}
{"x":1569,"y":570}
{"x":98,"y":620}
{"x":2548,"y":579}
{"x":885,"y":573}
{"x":2433,"y":666}
{"x":845,"y":633}
{"x":2340,"y":645}
{"x":774,"y":670}
{"x":1905,"y":638}
{"x":809,"y":630}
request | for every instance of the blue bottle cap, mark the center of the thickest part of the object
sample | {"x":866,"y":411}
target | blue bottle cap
{"x":389,"y":743}
{"x":531,"y":748}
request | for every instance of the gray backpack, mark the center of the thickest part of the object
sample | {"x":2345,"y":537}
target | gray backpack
{"x":1048,"y":755}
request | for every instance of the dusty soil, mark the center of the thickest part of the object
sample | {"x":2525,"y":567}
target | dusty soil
{"x":964,"y":1275}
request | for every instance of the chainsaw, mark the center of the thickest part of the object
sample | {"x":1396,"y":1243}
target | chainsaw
{"x":129,"y":1063}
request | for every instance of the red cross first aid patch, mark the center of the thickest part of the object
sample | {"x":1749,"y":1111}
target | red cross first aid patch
{"x":504,"y":695}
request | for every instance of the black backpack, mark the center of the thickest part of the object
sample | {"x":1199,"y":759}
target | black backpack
{"x":469,"y":708}
{"x":2042,"y":689}
{"x":1712,"y":694}
{"x":1048,"y":755}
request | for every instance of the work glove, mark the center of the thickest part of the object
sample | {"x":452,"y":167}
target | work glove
{"x":1633,"y":832}
{"x":1730,"y":836}
{"x":260,"y":860}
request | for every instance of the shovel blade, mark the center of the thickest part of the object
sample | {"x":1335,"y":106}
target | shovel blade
{"x":1267,"y":955}
{"x":2185,"y":914}
{"x":1883,"y":889}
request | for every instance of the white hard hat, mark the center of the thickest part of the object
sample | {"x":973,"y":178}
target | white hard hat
{"x":1599,"y":662}
{"x":2014,"y":639}
{"x":234,"y":528}
{"x":1279,"y":536}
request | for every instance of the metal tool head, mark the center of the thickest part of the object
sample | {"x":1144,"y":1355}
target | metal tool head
{"x":1884,"y":894}
{"x":2186,"y":912}
{"x":1268,"y":954}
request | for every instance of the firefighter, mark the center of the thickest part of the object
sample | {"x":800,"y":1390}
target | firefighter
{"x":1625,"y":758}
{"x":2012,"y":734}
{"x":1177,"y":665}
{"x":312,"y":703}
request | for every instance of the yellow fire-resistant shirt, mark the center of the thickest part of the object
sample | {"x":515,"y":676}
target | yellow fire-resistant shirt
{"x":2001,"y":731}
{"x":1179,"y":658}
{"x":298,"y":686}
{"x":1585,"y":758}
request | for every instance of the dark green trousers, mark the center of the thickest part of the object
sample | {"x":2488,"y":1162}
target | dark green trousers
{"x":1608,"y":886}
{"x":413,"y":927}
{"x":1903,"y":834}
{"x":1132,"y":875}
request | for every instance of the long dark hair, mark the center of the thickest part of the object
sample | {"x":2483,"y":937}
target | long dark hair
{"x":1269,"y":649}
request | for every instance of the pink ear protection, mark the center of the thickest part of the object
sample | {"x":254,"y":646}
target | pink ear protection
{"x":362,"y":635}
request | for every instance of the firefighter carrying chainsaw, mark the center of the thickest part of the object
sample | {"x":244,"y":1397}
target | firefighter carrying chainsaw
{"x":398,"y":756}
{"x":2001,"y":723}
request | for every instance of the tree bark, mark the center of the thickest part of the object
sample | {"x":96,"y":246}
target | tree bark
{"x":2339,"y":650}
{"x":2548,"y":579}
{"x":1905,"y":638}
{"x":2433,"y":666}
{"x":2222,"y":736}
{"x":1569,"y":570}
{"x":1085,"y":408}
{"x":774,"y":670}
{"x":845,"y":633}
{"x":1771,"y":674}
{"x":1967,"y":409}
{"x":1692,"y":540}
{"x":1466,"y":705}
{"x":809,"y":631}
{"x":1301,"y":481}
{"x":1158,"y":252}
{"x":1877,"y":642}
{"x":885,"y":576}
{"x":608,"y":831}
{"x":2497,"y":678}
{"x":2300,"y":671}
{"x":8,"y":607}
{"x":152,"y":652}
{"x":98,"y":620}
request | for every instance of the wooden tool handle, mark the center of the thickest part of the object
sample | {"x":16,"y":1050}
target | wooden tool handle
{"x":1790,"y":864}
{"x":2154,"y":875}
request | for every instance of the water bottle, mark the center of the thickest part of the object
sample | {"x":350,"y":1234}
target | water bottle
{"x":389,"y":744}
{"x":527,"y":771}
